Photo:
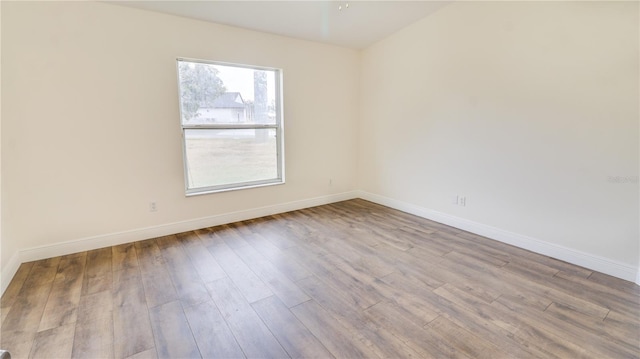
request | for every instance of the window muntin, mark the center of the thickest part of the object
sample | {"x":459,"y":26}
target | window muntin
{"x":231,"y":118}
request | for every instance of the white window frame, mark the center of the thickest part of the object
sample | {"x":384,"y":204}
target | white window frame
{"x":277,"y":126}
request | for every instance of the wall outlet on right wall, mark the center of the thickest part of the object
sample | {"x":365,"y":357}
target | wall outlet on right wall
{"x":459,"y":200}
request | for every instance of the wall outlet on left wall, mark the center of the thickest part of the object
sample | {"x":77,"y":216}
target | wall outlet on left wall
{"x":153,"y":207}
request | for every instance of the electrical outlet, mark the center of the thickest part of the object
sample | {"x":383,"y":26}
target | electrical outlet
{"x":153,"y":207}
{"x":459,"y":200}
{"x":330,"y":181}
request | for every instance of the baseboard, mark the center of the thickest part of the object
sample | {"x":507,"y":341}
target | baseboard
{"x":8,"y":271}
{"x":587,"y":260}
{"x":112,"y":239}
{"x":583,"y":259}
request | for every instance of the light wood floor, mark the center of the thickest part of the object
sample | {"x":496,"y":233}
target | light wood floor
{"x":348,"y":280}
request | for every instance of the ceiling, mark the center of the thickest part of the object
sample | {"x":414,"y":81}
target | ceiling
{"x":356,"y":25}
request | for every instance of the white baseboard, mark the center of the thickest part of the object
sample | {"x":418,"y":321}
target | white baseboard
{"x":8,"y":271}
{"x":587,"y":260}
{"x":112,"y":239}
{"x":583,"y":259}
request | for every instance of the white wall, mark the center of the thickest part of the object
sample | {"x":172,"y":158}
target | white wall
{"x":525,"y":108}
{"x":90,"y":123}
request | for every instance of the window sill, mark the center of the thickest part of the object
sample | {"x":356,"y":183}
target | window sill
{"x":198,"y":192}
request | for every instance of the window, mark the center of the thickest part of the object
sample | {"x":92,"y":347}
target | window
{"x":231,"y":117}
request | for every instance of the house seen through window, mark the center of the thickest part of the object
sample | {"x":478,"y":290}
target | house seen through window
{"x":231,"y":117}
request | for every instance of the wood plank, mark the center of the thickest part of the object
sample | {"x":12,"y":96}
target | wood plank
{"x":250,"y":332}
{"x":64,"y":297}
{"x":383,"y":213}
{"x":171,"y":332}
{"x":525,"y":256}
{"x":95,"y":306}
{"x":304,"y":224}
{"x":360,"y":294}
{"x":335,"y":337}
{"x":53,"y":343}
{"x":465,"y":341}
{"x":279,"y":233}
{"x":505,"y":282}
{"x":378,"y":340}
{"x":15,"y":286}
{"x":353,"y":254}
{"x":391,"y":219}
{"x":622,"y":323}
{"x":538,"y":341}
{"x":213,"y":336}
{"x":187,"y":283}
{"x":313,"y":244}
{"x":357,"y":281}
{"x":476,"y":320}
{"x":98,"y":274}
{"x":23,"y":319}
{"x":129,"y":306}
{"x":123,"y":257}
{"x":204,"y":263}
{"x":620,"y":300}
{"x":249,"y":284}
{"x":387,"y":236}
{"x":418,"y":309}
{"x":3,"y":313}
{"x":426,"y":238}
{"x":19,"y":346}
{"x":617,"y":283}
{"x":424,"y":340}
{"x":279,"y":284}
{"x":423,"y":267}
{"x":619,"y":335}
{"x":427,"y":245}
{"x":358,"y":233}
{"x":158,"y":288}
{"x":244,"y":228}
{"x":296,"y":339}
{"x":147,"y":354}
{"x":525,"y":268}
{"x":93,"y":338}
{"x":13,"y":290}
{"x":488,"y":255}
{"x":337,"y":302}
{"x":285,"y":264}
{"x":436,"y":271}
{"x":341,"y":230}
{"x":231,"y":236}
{"x":585,"y":342}
{"x":42,"y":274}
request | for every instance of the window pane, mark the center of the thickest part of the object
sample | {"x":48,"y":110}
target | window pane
{"x":231,"y":120}
{"x":222,"y":157}
{"x":218,"y":94}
